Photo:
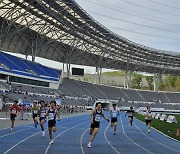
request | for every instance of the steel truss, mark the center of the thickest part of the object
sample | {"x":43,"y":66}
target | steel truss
{"x":61,"y":30}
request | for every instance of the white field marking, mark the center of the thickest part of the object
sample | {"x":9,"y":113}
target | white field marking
{"x":81,"y":140}
{"x":32,"y":136}
{"x":4,"y":128}
{"x":108,"y":141}
{"x":20,"y":142}
{"x":132,"y":140}
{"x":159,"y":131}
{"x":155,"y":140}
{"x":62,"y":133}
{"x":15,"y":132}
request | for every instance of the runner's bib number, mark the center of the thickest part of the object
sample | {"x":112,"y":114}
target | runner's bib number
{"x":114,"y":115}
{"x":35,"y":111}
{"x":42,"y":114}
{"x":51,"y":116}
{"x":13,"y":111}
{"x":97,"y":118}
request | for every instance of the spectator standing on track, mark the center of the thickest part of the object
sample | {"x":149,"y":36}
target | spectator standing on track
{"x":34,"y":110}
{"x":51,"y":113}
{"x":95,"y":118}
{"x":42,"y":116}
{"x":148,"y":118}
{"x":130,"y":114}
{"x":13,"y":113}
{"x":114,"y":112}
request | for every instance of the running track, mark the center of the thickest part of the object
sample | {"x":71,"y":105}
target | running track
{"x":72,"y":136}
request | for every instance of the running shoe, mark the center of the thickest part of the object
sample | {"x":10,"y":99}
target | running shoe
{"x":10,"y":131}
{"x":89,"y":146}
{"x":43,"y":133}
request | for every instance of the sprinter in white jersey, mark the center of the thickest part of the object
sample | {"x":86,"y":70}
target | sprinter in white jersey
{"x":51,"y":113}
{"x":148,"y":118}
{"x":42,"y":116}
{"x":95,"y":118}
{"x":114,"y":112}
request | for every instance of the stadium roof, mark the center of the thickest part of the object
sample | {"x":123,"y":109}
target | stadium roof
{"x":62,"y":31}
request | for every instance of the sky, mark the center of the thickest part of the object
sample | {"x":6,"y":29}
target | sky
{"x":153,"y":23}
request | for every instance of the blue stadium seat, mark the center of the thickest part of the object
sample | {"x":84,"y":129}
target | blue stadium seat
{"x":27,"y":68}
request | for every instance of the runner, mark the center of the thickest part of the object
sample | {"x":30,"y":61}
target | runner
{"x":13,"y":113}
{"x":95,"y":122}
{"x":42,"y":116}
{"x":34,"y":110}
{"x":114,"y":114}
{"x":148,"y":118}
{"x":130,"y":115}
{"x":51,"y":113}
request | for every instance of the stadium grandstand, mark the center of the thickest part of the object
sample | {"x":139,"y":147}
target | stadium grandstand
{"x":71,"y":36}
{"x":62,"y":31}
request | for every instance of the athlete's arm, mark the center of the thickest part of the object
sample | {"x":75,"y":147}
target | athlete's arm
{"x":10,"y":110}
{"x":91,"y":115}
{"x":105,"y":117}
{"x":110,"y":112}
{"x":47,"y":112}
{"x":57,"y":113}
{"x":39,"y":109}
{"x":126,"y":113}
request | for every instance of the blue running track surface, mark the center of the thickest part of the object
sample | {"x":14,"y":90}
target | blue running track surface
{"x":72,"y":137}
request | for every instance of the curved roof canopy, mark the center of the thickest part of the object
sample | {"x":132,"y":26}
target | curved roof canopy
{"x":62,"y":31}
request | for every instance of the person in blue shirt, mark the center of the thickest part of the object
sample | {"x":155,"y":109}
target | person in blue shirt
{"x":114,"y":112}
{"x":42,"y":116}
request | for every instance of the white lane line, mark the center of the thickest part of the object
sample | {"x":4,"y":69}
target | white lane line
{"x":81,"y":140}
{"x":14,"y":132}
{"x":132,"y":140}
{"x":34,"y":135}
{"x":108,"y":140}
{"x":155,"y":140}
{"x":63,"y":133}
{"x":4,"y":128}
{"x":160,"y":132}
{"x":20,"y":142}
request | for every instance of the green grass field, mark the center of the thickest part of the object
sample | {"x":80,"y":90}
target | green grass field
{"x":166,"y":128}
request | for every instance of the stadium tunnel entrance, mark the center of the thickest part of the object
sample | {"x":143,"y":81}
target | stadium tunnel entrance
{"x":106,"y":104}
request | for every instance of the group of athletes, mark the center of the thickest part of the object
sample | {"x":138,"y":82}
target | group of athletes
{"x":95,"y":117}
{"x":42,"y":112}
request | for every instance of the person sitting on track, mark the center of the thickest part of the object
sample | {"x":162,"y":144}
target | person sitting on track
{"x":51,"y":113}
{"x":114,"y":114}
{"x":130,"y":115}
{"x":95,"y":122}
{"x":13,"y":113}
{"x":42,"y":116}
{"x":148,"y":118}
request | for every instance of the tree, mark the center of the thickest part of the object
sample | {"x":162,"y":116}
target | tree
{"x":149,"y":79}
{"x":136,"y":81}
{"x":171,"y":80}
